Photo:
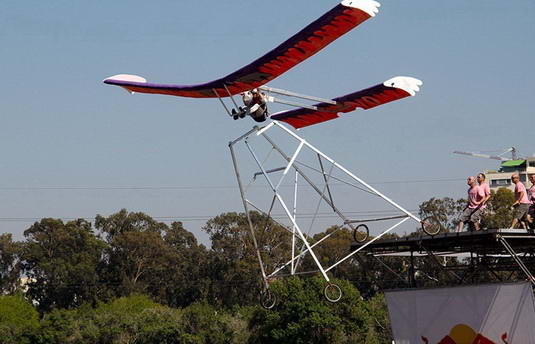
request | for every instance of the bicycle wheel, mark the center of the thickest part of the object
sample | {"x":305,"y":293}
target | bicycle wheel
{"x":268,"y":300}
{"x":361,"y":233}
{"x":332,"y":293}
{"x":431,"y":226}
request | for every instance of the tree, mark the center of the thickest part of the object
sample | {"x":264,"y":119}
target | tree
{"x":19,"y":321}
{"x":189,"y":282}
{"x":125,"y":222}
{"x":9,"y":264}
{"x":233,"y":264}
{"x":137,"y":254}
{"x":138,"y":319}
{"x":146,"y":256}
{"x":336,"y":247}
{"x":445,"y":210}
{"x":499,"y":213}
{"x":61,"y":260}
{"x":304,"y":316}
{"x":206,"y":324}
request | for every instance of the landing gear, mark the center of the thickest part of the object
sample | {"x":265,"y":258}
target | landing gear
{"x":332,"y":293}
{"x":432,"y":226}
{"x":361,"y":233}
{"x":268,"y":300}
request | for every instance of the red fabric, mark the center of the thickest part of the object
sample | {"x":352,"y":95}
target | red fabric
{"x":480,"y":339}
{"x":447,"y":340}
{"x":287,"y":55}
{"x":365,"y":99}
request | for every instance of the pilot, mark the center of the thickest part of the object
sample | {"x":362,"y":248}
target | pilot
{"x":256,"y":102}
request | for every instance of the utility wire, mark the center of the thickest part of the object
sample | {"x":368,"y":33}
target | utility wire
{"x":191,"y":218}
{"x":172,"y":187}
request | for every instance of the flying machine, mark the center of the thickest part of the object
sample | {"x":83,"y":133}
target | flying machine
{"x":249,"y":81}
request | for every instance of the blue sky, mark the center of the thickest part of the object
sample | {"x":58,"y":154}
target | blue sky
{"x":71,"y":146}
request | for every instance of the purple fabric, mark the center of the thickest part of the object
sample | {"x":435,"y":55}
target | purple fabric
{"x":299,"y":47}
{"x":365,"y":99}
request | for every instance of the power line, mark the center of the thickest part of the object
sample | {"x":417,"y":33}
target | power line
{"x":192,"y":218}
{"x":201,"y":187}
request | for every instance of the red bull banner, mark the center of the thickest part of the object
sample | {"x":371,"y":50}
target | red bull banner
{"x":484,"y":314}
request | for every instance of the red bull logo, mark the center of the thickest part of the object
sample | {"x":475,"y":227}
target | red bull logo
{"x":464,"y":334}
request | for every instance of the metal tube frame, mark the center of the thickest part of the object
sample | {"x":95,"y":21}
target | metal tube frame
{"x":291,"y":214}
{"x":296,"y":95}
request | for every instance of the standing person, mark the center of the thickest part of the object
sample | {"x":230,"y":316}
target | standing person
{"x":485,"y":188}
{"x":531,"y":197}
{"x":521,"y":205}
{"x":472,"y":211}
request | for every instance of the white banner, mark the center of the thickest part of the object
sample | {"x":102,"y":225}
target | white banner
{"x":483,"y":314}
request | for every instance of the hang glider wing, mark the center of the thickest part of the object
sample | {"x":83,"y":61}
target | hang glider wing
{"x":393,"y":89}
{"x":333,"y":24}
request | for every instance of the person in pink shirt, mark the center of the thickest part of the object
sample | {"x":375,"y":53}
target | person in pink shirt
{"x":531,"y":196}
{"x":472,"y":212}
{"x":485,"y":188}
{"x":522,"y":203}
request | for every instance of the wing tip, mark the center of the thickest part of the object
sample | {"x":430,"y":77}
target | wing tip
{"x":406,"y":83}
{"x":371,"y":7}
{"x":124,"y":78}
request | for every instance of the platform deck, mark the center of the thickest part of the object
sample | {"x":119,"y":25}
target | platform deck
{"x":485,"y":242}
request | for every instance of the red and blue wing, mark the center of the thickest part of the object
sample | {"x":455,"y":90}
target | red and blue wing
{"x":333,"y":24}
{"x":390,"y":90}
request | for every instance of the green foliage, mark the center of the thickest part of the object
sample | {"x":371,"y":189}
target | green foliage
{"x":19,"y":321}
{"x":445,"y":210}
{"x":68,"y":326}
{"x":91,"y":290}
{"x":334,"y":248}
{"x":137,"y":319}
{"x":304,"y":316}
{"x":499,"y":213}
{"x":206,"y":324}
{"x":233,"y":262}
{"x":146,"y":256}
{"x":61,"y":260}
{"x":9,"y":263}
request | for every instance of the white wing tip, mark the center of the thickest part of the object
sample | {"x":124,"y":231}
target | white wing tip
{"x":369,"y":6}
{"x":127,"y":77}
{"x":406,"y":83}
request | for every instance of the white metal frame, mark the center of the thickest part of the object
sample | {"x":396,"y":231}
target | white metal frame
{"x":290,"y":206}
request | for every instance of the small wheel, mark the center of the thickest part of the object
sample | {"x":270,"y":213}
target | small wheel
{"x":361,"y":233}
{"x":332,"y":293}
{"x":235,"y":117}
{"x":431,"y":226}
{"x":268,"y":300}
